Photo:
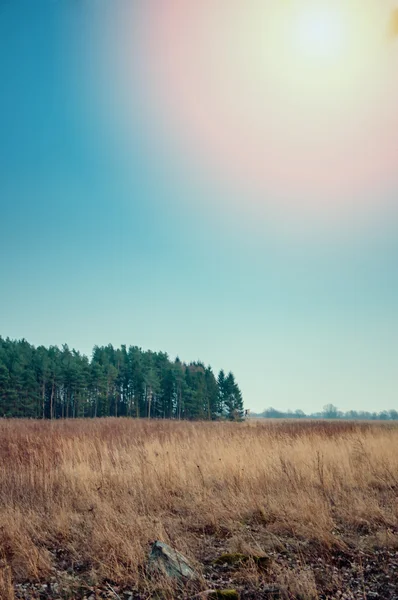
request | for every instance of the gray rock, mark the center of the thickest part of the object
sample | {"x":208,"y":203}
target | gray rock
{"x":164,"y":560}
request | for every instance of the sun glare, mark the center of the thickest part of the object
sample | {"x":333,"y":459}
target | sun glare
{"x":324,"y":47}
{"x":320,"y":31}
{"x":290,"y":99}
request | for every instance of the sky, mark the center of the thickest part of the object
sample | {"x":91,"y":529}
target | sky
{"x":217,"y":182}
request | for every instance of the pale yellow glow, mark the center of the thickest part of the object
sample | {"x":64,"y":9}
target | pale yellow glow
{"x":320,"y":30}
{"x":324,"y":53}
{"x":292,"y":98}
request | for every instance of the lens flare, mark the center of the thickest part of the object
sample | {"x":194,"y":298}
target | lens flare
{"x":320,"y":31}
{"x":295,"y":99}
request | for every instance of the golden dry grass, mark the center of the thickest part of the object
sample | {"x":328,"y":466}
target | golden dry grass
{"x":89,"y":496}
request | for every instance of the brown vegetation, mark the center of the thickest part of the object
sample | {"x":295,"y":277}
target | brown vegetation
{"x":82,"y":500}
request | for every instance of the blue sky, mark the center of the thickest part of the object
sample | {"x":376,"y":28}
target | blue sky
{"x":107,"y":235}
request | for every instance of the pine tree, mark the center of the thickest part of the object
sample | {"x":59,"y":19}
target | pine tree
{"x":233,"y":398}
{"x":212,"y":393}
{"x":222,"y":395}
{"x":62,"y":383}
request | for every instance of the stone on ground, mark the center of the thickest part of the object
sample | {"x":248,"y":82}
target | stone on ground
{"x":164,"y":560}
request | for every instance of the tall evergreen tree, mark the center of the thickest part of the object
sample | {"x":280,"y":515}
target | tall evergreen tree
{"x":233,"y":398}
{"x":58,"y":383}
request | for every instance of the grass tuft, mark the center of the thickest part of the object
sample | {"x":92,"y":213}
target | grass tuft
{"x":87,"y":497}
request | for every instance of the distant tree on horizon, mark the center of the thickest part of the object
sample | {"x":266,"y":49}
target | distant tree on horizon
{"x":329,"y":412}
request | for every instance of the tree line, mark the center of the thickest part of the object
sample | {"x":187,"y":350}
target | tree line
{"x":330,"y":412}
{"x":54,"y":383}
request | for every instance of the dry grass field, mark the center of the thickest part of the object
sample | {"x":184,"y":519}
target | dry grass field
{"x":81,"y":502}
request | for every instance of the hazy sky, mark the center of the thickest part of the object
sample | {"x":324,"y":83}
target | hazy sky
{"x":218,"y":183}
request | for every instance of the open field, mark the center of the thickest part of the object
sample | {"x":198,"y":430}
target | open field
{"x":81,"y":501}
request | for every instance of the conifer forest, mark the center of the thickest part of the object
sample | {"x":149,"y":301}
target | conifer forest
{"x":54,"y":383}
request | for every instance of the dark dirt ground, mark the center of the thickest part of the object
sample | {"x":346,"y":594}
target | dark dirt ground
{"x":297,"y":569}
